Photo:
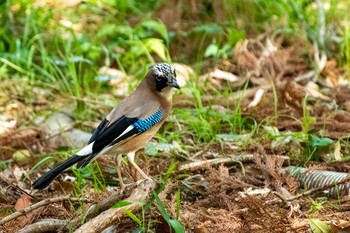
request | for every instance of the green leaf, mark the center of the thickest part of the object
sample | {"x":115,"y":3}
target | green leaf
{"x":121,"y":204}
{"x":319,"y":142}
{"x":5,"y":163}
{"x":157,"y":26}
{"x":176,"y":225}
{"x":138,"y":230}
{"x":210,"y":28}
{"x":133,"y":217}
{"x":211,"y":50}
{"x":41,"y":162}
{"x":228,"y":137}
{"x":157,"y":46}
{"x":232,"y":137}
{"x":161,"y":208}
{"x":152,"y":148}
{"x":178,"y":203}
{"x":318,"y":226}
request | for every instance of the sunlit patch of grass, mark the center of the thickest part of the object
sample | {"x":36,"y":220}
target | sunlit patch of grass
{"x":203,"y":125}
{"x":47,"y":51}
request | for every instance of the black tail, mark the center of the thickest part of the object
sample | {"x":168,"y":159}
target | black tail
{"x":48,"y":177}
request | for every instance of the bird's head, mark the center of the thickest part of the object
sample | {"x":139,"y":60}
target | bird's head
{"x":163,"y":76}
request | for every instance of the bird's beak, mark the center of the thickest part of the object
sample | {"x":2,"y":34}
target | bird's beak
{"x":174,"y":84}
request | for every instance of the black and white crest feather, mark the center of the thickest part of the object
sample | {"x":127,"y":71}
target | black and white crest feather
{"x":165,"y":70}
{"x":165,"y":76}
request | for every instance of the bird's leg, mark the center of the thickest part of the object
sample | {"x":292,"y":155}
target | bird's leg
{"x":118,"y":161}
{"x":131,"y":157}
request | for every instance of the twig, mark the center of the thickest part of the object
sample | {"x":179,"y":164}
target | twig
{"x":98,"y":208}
{"x":92,"y":212}
{"x":47,"y":225}
{"x":36,"y":206}
{"x":138,"y":196}
{"x":305,"y":77}
{"x":224,"y":160}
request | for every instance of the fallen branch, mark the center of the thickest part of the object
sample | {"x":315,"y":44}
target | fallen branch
{"x":97,"y":208}
{"x":38,"y":205}
{"x":47,"y":225}
{"x":94,"y":210}
{"x":138,"y":197}
{"x":224,"y":160}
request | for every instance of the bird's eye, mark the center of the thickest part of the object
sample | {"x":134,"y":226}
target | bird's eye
{"x":158,"y":78}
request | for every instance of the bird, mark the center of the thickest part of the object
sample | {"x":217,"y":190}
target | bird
{"x":128,"y":127}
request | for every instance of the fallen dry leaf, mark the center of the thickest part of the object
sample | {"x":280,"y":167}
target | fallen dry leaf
{"x":183,"y":72}
{"x":219,"y":74}
{"x":22,"y":202}
{"x":257,"y":98}
{"x":6,"y":123}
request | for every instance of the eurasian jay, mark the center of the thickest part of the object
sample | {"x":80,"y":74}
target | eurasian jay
{"x":129,"y":126}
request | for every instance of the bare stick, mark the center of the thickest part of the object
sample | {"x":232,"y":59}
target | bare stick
{"x":97,"y":208}
{"x":47,"y":225}
{"x":224,"y":160}
{"x":36,"y":206}
{"x":94,"y":210}
{"x":138,"y":196}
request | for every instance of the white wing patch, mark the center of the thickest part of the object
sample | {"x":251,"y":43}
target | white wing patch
{"x":125,"y":131}
{"x":86,"y":150}
{"x":107,"y":148}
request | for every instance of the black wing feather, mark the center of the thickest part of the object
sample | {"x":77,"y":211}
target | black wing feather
{"x":99,"y":130}
{"x":108,"y":137}
{"x":48,"y":177}
{"x":113,"y":131}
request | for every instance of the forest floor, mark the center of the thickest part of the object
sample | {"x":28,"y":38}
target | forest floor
{"x":288,"y":103}
{"x":249,"y":188}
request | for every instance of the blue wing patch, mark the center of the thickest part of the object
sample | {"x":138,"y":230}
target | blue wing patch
{"x":143,"y":125}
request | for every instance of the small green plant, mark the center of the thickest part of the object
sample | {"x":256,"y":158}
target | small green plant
{"x":93,"y":171}
{"x":315,"y":206}
{"x":308,"y":143}
{"x":5,"y":163}
{"x":174,"y":223}
{"x":178,"y":203}
{"x":275,"y":99}
{"x":307,"y":119}
{"x":135,"y":219}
